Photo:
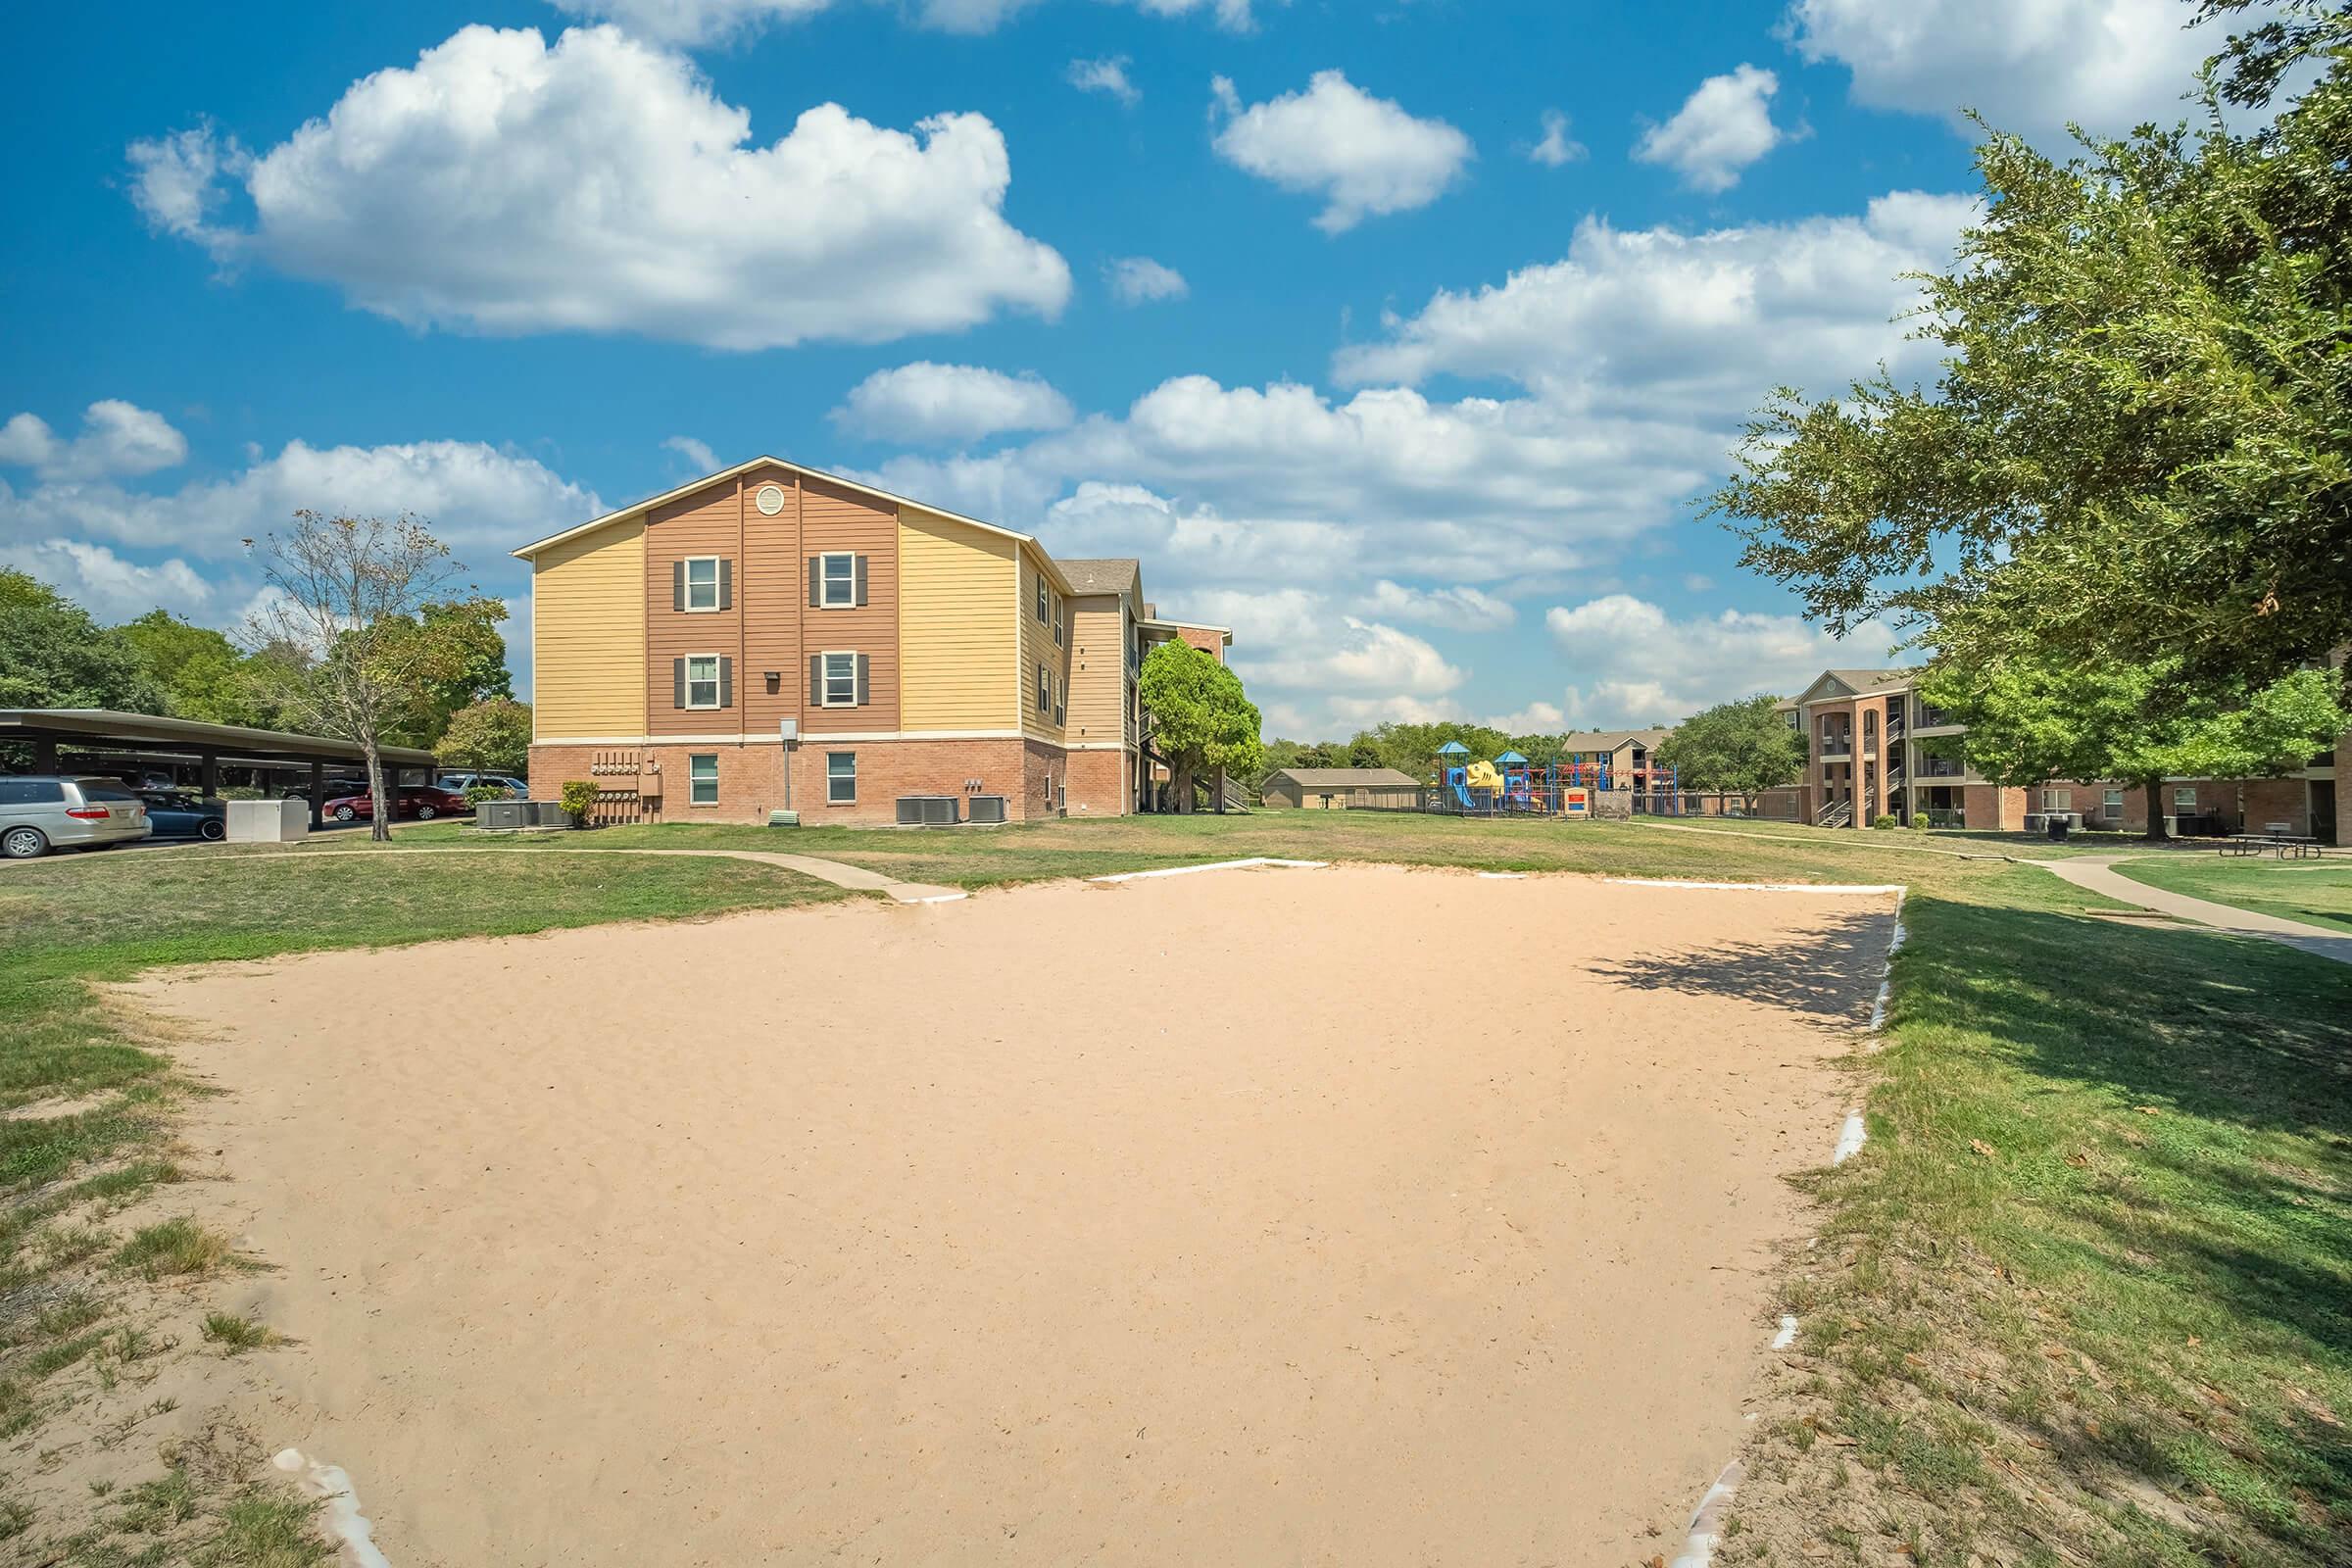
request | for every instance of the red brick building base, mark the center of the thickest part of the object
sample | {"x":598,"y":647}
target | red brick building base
{"x":1029,"y":774}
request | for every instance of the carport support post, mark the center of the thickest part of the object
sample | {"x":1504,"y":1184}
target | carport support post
{"x":44,"y":754}
{"x":317,"y":795}
{"x":208,"y":765}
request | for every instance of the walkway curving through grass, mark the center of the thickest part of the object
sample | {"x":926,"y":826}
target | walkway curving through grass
{"x":2101,"y":876}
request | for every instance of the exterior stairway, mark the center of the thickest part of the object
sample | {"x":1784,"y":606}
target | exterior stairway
{"x":1837,"y":814}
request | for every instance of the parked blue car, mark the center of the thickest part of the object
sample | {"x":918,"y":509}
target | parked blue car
{"x":176,"y":815}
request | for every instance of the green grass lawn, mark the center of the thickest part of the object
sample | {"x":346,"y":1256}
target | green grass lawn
{"x":2087,"y":1296}
{"x":2319,"y":892}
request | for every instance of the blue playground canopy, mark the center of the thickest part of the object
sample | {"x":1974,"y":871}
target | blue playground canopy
{"x":1511,"y":757}
{"x":1454,"y":749}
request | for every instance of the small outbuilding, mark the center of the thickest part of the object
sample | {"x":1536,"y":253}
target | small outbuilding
{"x":1334,"y":789}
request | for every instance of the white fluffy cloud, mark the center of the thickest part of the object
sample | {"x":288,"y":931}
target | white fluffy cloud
{"x":1138,"y":280}
{"x":600,"y":185}
{"x":2027,"y":65}
{"x":1459,"y":606}
{"x":112,"y":588}
{"x":1633,"y":664}
{"x":1351,"y":657}
{"x":696,"y":452}
{"x":1660,"y":320}
{"x":1108,"y":76}
{"x":1720,"y":129}
{"x":117,"y":437}
{"x":481,"y":500}
{"x":1557,"y":148}
{"x":925,"y":402}
{"x":1365,"y":156}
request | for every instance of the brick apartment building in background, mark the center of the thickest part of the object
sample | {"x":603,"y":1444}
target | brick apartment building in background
{"x":919,"y":656}
{"x":1875,"y":746}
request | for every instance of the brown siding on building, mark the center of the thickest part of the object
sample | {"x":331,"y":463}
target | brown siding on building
{"x":774,"y":593}
{"x":839,"y":519}
{"x":706,"y":522}
{"x":1098,"y":670}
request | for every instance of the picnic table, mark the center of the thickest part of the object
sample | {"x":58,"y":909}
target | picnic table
{"x":2276,"y":837}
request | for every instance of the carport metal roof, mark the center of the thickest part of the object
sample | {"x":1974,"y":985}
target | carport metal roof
{"x":103,"y":727}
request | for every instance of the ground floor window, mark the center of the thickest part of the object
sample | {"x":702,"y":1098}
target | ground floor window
{"x":2184,"y":798}
{"x":702,"y":779}
{"x":2057,"y":799}
{"x":2110,"y":803}
{"x":841,"y":779}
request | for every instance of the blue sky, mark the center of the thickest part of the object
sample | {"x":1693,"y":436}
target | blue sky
{"x":1400,"y":335}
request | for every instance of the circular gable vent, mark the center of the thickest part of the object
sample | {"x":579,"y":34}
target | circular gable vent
{"x":769,"y":500}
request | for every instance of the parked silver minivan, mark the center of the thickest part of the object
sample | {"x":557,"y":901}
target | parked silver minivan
{"x":45,"y":811}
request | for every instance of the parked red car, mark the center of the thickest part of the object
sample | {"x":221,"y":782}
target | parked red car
{"x":420,"y":801}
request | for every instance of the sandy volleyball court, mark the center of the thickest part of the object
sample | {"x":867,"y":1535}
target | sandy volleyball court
{"x":1348,"y":1216}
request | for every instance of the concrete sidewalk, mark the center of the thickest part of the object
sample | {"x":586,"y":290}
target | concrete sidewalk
{"x":2096,"y":874}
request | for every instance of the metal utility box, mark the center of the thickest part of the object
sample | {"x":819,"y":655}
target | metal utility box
{"x":987,"y":808}
{"x":286,"y":821}
{"x":929,"y":810}
{"x":502,"y":814}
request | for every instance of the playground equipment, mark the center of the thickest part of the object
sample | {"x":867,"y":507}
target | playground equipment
{"x":1513,"y":786}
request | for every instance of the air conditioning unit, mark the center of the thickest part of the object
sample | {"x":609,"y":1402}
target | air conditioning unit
{"x":543,"y":814}
{"x":928,"y":811}
{"x":987,"y":808}
{"x":502,"y":814}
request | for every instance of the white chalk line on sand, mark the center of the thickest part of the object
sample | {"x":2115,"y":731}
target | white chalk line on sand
{"x":1707,"y":1520}
{"x":341,"y":1518}
{"x":1212,"y":865}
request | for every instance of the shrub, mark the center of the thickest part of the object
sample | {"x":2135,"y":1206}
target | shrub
{"x":1885,"y":820}
{"x":1919,"y":819}
{"x":577,"y":796}
{"x":476,"y":794}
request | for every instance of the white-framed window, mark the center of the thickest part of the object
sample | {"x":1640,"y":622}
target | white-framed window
{"x":1041,"y":599}
{"x":2110,"y":803}
{"x":841,"y":680}
{"x":702,"y":582}
{"x":702,"y":680}
{"x":2184,"y":797}
{"x":1045,"y":691}
{"x":1059,"y":613}
{"x":702,"y":778}
{"x":2057,"y":799}
{"x":837,"y":580}
{"x":841,"y":779}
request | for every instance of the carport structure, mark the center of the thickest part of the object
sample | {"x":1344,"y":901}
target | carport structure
{"x":138,"y":738}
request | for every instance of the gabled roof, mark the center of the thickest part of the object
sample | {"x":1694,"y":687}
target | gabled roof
{"x":1108,"y":574}
{"x":1342,"y":778}
{"x":1612,"y":740}
{"x":1834,"y":684}
{"x":639,"y":508}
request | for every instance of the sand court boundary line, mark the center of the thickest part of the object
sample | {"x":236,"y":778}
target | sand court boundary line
{"x":1212,"y":865}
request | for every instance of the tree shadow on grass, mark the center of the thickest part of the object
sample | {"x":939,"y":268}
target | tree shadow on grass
{"x":1830,"y":977}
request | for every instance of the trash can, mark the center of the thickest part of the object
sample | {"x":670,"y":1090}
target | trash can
{"x":2058,"y":828}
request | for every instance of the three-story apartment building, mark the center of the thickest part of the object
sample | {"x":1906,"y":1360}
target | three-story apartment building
{"x":771,"y":637}
{"x":1876,"y":747}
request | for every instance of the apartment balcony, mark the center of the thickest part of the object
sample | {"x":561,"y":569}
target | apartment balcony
{"x":1941,"y":768}
{"x":1935,"y":721}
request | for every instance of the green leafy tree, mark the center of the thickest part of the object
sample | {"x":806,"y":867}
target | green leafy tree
{"x":203,"y":674}
{"x":1414,"y":748}
{"x":2139,"y":450}
{"x":1200,"y":717}
{"x":347,"y":599}
{"x":470,"y":656}
{"x":1540,"y":750}
{"x":2031,"y":721}
{"x":1361,"y":753}
{"x":493,"y":736}
{"x":53,"y":654}
{"x":1741,"y":748}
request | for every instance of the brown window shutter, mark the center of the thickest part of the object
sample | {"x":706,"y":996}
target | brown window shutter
{"x":817,"y":569}
{"x":817,"y":680}
{"x":862,"y":664}
{"x":726,"y":585}
{"x":727,"y":681}
{"x":678,"y":585}
{"x":862,"y":590}
{"x":677,"y":683}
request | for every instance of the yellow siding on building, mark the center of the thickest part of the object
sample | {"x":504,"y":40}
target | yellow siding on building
{"x":588,"y":635}
{"x":956,"y":585}
{"x":1037,"y":647}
